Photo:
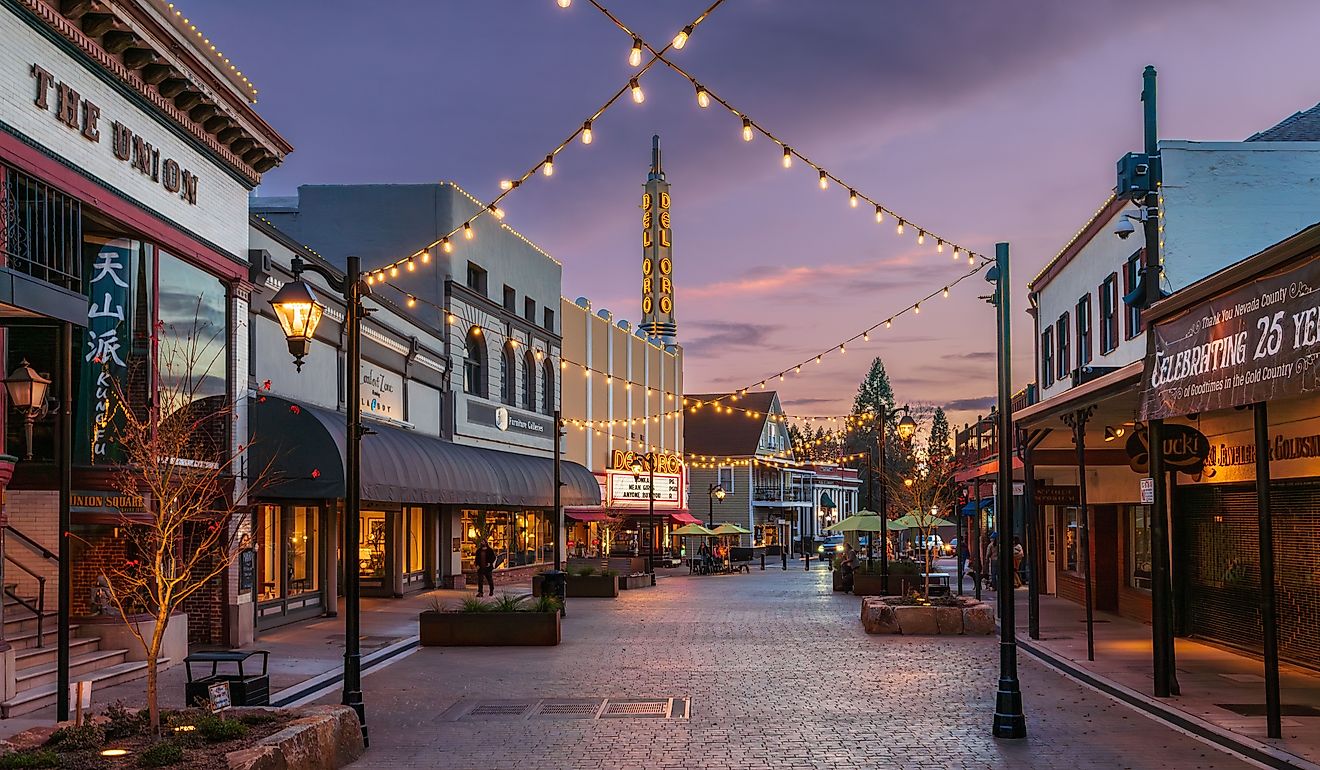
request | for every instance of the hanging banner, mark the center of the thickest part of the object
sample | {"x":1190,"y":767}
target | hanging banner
{"x":106,"y":344}
{"x":1258,"y":342}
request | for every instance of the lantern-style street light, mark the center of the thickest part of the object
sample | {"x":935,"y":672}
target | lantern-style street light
{"x":27,"y":392}
{"x":299,"y":312}
{"x":716,"y":492}
{"x":907,"y":427}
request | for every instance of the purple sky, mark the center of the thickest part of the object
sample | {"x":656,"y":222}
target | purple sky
{"x":982,"y":121}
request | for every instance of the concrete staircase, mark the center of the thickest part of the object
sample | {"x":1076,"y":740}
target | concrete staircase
{"x":36,"y":675}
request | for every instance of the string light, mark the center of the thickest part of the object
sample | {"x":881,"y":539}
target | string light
{"x":412,"y":301}
{"x":637,"y":94}
{"x":410,"y":265}
{"x":916,"y":309}
{"x":426,"y":256}
{"x":852,"y":198}
{"x":468,"y":232}
{"x":565,"y":3}
{"x":900,"y":227}
{"x":824,"y":180}
{"x":506,"y":184}
{"x":939,"y":246}
{"x":446,"y":246}
{"x":879,"y":214}
{"x":703,"y":97}
{"x":681,"y":38}
{"x":635,"y":55}
{"x":747,"y":129}
{"x":946,"y":292}
{"x":548,"y":167}
{"x":889,"y":322}
{"x":788,"y":157}
{"x":496,"y":211}
{"x":586,"y":132}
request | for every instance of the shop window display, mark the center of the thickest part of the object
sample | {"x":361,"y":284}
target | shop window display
{"x":1072,"y":538}
{"x":371,"y":544}
{"x":519,"y":538}
{"x":412,"y":519}
{"x":302,"y":549}
{"x":1139,"y":547}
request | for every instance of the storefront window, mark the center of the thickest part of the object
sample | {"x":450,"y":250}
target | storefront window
{"x":302,"y":549}
{"x":1139,"y":547}
{"x":371,"y":544}
{"x":268,"y":552}
{"x":412,"y":519}
{"x":518,"y":537}
{"x":1072,"y":538}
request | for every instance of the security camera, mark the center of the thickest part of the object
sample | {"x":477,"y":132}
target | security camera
{"x":1124,"y":228}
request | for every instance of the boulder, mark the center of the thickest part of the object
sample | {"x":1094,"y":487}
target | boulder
{"x":323,"y":737}
{"x":916,"y":619}
{"x":949,"y":619}
{"x":979,"y":620}
{"x":878,"y":617}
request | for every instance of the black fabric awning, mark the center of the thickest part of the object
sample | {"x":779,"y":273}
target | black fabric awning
{"x":301,"y":449}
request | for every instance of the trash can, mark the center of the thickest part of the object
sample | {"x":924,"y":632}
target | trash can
{"x":245,"y":688}
{"x":554,"y":582}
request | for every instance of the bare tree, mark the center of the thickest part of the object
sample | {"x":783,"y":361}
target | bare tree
{"x":925,"y":495}
{"x":176,"y":455}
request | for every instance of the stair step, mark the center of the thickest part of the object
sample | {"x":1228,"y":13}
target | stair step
{"x":39,"y":656}
{"x":43,"y":695}
{"x":79,"y":665}
{"x":25,"y":640}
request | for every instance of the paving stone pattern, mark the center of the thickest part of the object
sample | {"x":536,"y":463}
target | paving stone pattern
{"x":780,"y":675}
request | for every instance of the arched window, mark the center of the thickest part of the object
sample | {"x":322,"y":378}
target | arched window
{"x":529,"y":382}
{"x":508,"y":367}
{"x":474,"y":366}
{"x":548,"y":386}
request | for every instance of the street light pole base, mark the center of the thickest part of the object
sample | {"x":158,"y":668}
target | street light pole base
{"x":1010,"y":722}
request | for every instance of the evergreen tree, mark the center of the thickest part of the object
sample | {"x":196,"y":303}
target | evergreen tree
{"x":875,"y":394}
{"x":937,"y":446}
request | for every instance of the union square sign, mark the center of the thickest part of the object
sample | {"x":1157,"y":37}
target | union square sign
{"x":1257,"y":342}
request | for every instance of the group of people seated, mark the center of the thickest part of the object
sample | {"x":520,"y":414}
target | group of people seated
{"x":711,"y":558}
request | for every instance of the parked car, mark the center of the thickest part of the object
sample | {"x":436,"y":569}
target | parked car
{"x":829,"y":546}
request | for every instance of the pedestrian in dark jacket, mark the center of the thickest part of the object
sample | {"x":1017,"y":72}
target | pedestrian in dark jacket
{"x":485,"y":567}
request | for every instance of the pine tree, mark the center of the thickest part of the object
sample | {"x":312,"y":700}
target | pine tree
{"x":937,"y":446}
{"x":874,"y":394}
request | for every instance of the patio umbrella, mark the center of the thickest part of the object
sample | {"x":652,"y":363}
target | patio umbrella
{"x":731,"y":529}
{"x":693,"y":529}
{"x":858,"y":522}
{"x":919,"y":521}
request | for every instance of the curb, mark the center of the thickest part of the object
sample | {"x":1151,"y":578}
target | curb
{"x":1250,"y":749}
{"x":321,"y":684}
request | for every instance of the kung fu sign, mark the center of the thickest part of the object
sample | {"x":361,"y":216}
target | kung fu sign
{"x":1258,"y":342}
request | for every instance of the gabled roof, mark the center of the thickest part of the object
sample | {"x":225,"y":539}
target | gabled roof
{"x":1299,"y":127}
{"x":707,"y":431}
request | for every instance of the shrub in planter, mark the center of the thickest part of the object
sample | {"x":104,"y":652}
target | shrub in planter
{"x":19,"y":760}
{"x":78,"y":738}
{"x":507,"y":621}
{"x":587,"y":583}
{"x":218,"y":729}
{"x":163,"y":754}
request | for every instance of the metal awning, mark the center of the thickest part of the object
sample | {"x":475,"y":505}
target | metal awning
{"x":970,"y":508}
{"x":683,"y":517}
{"x":826,"y":501}
{"x":587,"y":514}
{"x":301,"y":448}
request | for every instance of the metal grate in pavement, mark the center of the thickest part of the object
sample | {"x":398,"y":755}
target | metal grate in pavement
{"x":568,"y":708}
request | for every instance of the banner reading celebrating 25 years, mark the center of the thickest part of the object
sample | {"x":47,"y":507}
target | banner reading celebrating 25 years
{"x":1258,"y":342}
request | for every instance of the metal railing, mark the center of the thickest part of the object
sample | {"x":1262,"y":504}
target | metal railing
{"x":39,"y":607}
{"x":40,"y":230}
{"x":33,"y":544}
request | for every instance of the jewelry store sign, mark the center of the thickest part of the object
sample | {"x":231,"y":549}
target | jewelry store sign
{"x":1257,"y":342}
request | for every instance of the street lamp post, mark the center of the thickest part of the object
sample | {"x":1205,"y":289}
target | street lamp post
{"x":650,"y":510}
{"x":299,"y":311}
{"x":1010,"y":721}
{"x":716,"y":492}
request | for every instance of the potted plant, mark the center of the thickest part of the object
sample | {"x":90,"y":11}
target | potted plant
{"x":504,"y":621}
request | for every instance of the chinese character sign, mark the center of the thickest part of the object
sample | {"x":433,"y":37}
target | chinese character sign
{"x":104,"y":354}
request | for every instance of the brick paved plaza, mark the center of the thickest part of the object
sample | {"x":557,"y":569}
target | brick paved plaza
{"x":779,"y":674}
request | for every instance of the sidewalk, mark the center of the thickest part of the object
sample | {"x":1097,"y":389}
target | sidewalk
{"x":298,"y":653}
{"x":1210,"y":677}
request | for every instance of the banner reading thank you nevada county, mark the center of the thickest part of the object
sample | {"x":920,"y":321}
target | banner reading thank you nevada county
{"x":1257,"y":342}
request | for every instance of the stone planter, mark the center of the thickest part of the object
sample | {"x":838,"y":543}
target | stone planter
{"x":323,"y":737}
{"x":585,"y":586}
{"x":488,"y":629}
{"x":629,"y":582}
{"x":971,"y":617}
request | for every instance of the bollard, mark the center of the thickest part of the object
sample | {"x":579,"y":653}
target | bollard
{"x":763,"y":561}
{"x":784,"y":555}
{"x":806,"y":560}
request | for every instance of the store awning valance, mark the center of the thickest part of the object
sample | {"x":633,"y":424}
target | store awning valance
{"x":683,"y":517}
{"x":826,"y":501}
{"x":970,"y":508}
{"x":301,"y":448}
{"x":586,"y":514}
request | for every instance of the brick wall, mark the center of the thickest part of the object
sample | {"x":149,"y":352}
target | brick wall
{"x":95,"y":551}
{"x":35,"y":513}
{"x":206,"y":607}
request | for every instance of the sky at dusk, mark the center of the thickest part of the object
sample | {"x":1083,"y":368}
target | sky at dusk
{"x":982,"y":121}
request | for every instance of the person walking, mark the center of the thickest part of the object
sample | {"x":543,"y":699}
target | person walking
{"x":992,"y":561}
{"x":847,"y":566}
{"x":485,"y":558}
{"x":1019,"y":554}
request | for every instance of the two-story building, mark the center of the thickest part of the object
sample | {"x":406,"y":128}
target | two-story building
{"x":1218,"y":201}
{"x":461,"y":376}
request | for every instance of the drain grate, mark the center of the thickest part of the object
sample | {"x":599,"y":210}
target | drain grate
{"x":651,"y":709}
{"x":1258,"y":709}
{"x":568,"y":708}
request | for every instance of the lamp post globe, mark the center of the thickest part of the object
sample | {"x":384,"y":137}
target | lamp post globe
{"x":907,"y":427}
{"x":27,"y":393}
{"x":298,"y":311}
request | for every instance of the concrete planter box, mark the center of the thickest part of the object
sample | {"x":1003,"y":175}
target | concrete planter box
{"x":488,"y":629}
{"x":320,"y":737}
{"x":880,"y":616}
{"x":629,"y":582}
{"x":585,"y":586}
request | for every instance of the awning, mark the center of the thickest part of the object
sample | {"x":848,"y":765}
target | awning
{"x":301,"y":450}
{"x":826,"y":501}
{"x":586,"y":514}
{"x":970,"y":508}
{"x":683,"y":517}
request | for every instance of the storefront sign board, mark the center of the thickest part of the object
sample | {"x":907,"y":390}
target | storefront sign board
{"x":1048,"y":494}
{"x":1258,"y":342}
{"x":1185,"y":449}
{"x":509,"y":420}
{"x":629,"y":490}
{"x":382,"y":392}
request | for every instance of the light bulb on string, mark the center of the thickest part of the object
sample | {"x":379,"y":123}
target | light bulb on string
{"x":852,"y":198}
{"x":548,"y":167}
{"x":788,"y":157}
{"x":412,"y":301}
{"x":637,"y":94}
{"x":843,"y":350}
{"x":565,"y":3}
{"x":916,"y":309}
{"x":446,"y":246}
{"x":468,"y":232}
{"x":900,"y":227}
{"x":817,"y":359}
{"x":681,"y":38}
{"x":797,"y":369}
{"x":426,"y":256}
{"x":946,"y":292}
{"x":879,"y":214}
{"x":496,"y":211}
{"x":889,"y":322}
{"x":824,"y":180}
{"x":939,"y":246}
{"x":506,"y":184}
{"x":410,"y":266}
{"x":921,"y":237}
{"x":635,"y":55}
{"x":866,"y":336}
{"x":703,"y":96}
{"x":955,"y":253}
{"x":586,"y":132}
{"x":747,"y":129}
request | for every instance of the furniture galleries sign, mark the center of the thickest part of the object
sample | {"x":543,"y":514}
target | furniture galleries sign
{"x":1258,"y":342}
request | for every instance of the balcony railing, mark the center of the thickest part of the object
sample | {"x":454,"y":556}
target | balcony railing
{"x":40,"y":230}
{"x":773,"y":494}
